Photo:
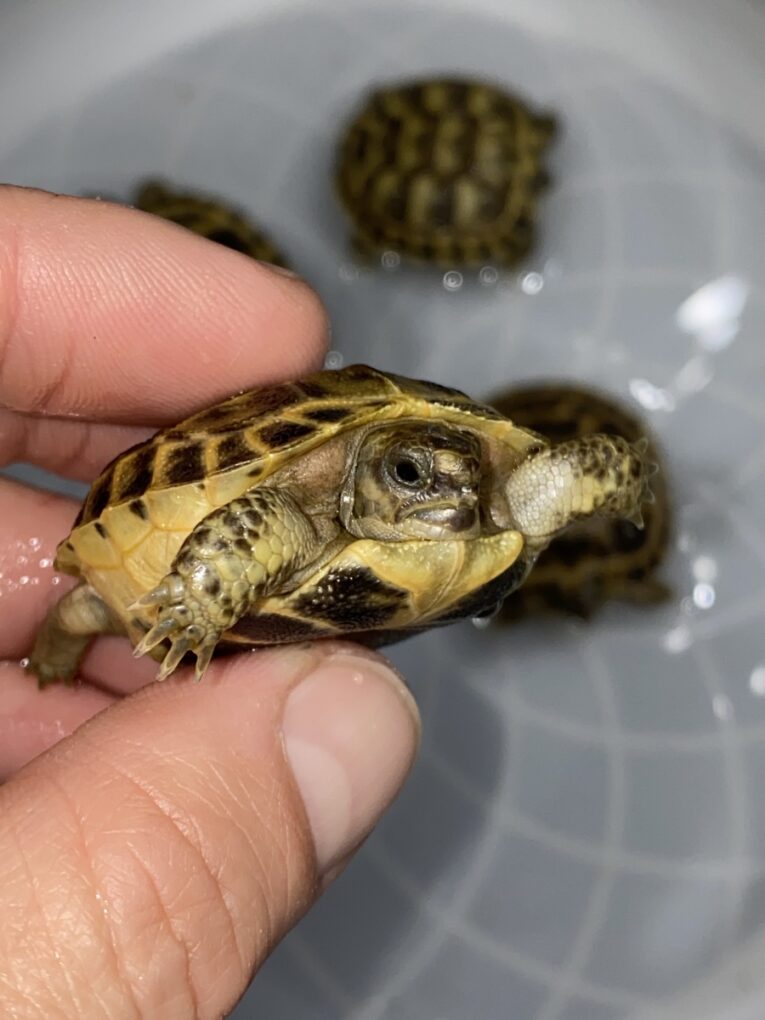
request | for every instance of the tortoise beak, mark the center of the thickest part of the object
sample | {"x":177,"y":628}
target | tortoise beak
{"x":450,"y":515}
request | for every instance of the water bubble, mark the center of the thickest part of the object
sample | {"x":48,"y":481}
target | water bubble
{"x":705,"y":569}
{"x":348,"y":273}
{"x":722,"y":707}
{"x":694,"y":376}
{"x":21,"y":561}
{"x":757,"y":680}
{"x":488,"y":276}
{"x":390,"y":260}
{"x":685,"y":541}
{"x":453,"y":280}
{"x":45,"y":562}
{"x":712,"y":313}
{"x":652,"y":397}
{"x":55,"y":580}
{"x":677,"y":640}
{"x":333,"y":360}
{"x":703,"y":595}
{"x":532,"y":283}
{"x":24,"y":663}
{"x":23,"y":579}
{"x":35,"y":544}
{"x":481,"y":622}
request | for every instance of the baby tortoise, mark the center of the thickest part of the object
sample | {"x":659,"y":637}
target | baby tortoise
{"x":209,"y":218}
{"x":352,"y":503}
{"x":447,"y":171}
{"x":597,"y":559}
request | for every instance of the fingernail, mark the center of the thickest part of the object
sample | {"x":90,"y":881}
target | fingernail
{"x":351,"y":731}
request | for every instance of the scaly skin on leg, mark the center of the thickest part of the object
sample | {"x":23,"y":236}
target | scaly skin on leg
{"x":67,"y":631}
{"x":597,"y":475}
{"x":238,"y":554}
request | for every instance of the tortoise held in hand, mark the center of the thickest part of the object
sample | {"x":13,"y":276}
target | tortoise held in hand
{"x":446,"y":171}
{"x":352,"y":503}
{"x":210,"y":218}
{"x":598,"y":559}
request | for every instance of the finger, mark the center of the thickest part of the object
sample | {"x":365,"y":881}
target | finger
{"x":74,"y":449}
{"x":149,"y":863}
{"x":32,"y":523}
{"x":31,"y":721}
{"x":115,"y":315}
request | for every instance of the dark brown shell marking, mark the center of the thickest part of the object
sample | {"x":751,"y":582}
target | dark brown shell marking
{"x":242,"y":430}
{"x":444,"y":170}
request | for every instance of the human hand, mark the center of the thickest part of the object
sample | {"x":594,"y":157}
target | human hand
{"x":159,"y":845}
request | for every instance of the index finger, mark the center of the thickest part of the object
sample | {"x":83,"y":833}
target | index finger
{"x":113,"y":315}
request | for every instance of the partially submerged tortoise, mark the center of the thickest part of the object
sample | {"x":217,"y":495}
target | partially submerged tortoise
{"x":210,"y":218}
{"x":352,"y":503}
{"x":446,"y":170}
{"x":600,"y":558}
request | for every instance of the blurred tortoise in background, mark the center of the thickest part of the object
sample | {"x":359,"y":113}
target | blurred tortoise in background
{"x":352,"y":503}
{"x":596,"y":559}
{"x":447,"y":171}
{"x":210,"y":218}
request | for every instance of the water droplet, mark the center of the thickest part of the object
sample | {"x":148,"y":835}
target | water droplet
{"x":35,"y":544}
{"x":712,"y":313}
{"x":24,"y":662}
{"x":694,"y":376}
{"x":390,"y":260}
{"x":705,"y":569}
{"x":481,"y":622}
{"x":757,"y":680}
{"x":532,"y":283}
{"x":488,"y":276}
{"x":722,"y":707}
{"x":45,"y":562}
{"x":334,"y":360}
{"x":55,"y":580}
{"x":21,"y":561}
{"x":685,"y":541}
{"x":348,"y":273}
{"x":653,"y":398}
{"x":24,"y":579}
{"x":703,"y":595}
{"x":677,"y":640}
{"x":453,"y":280}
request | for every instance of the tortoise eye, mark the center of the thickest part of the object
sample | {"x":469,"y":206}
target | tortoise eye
{"x":407,"y":472}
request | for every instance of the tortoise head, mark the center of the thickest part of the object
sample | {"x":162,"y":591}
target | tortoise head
{"x":414,"y":480}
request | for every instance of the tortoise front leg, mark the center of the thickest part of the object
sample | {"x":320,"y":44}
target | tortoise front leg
{"x":236,"y":555}
{"x":68,"y":629}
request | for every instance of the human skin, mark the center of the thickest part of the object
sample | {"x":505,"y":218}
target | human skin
{"x":157,"y":840}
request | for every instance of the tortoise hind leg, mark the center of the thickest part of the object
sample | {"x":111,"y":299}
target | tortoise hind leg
{"x":68,"y":629}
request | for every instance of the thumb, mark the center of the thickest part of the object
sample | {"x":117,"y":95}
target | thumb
{"x":150,"y":862}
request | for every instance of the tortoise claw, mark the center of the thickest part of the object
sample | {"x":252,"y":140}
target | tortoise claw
{"x":157,"y":634}
{"x":178,"y":649}
{"x":170,"y":590}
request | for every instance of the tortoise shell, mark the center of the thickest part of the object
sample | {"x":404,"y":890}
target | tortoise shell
{"x":147,"y":501}
{"x":447,"y":171}
{"x":210,"y":218}
{"x":601,"y":558}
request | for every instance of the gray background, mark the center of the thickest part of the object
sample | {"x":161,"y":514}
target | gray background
{"x":583,"y":835}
